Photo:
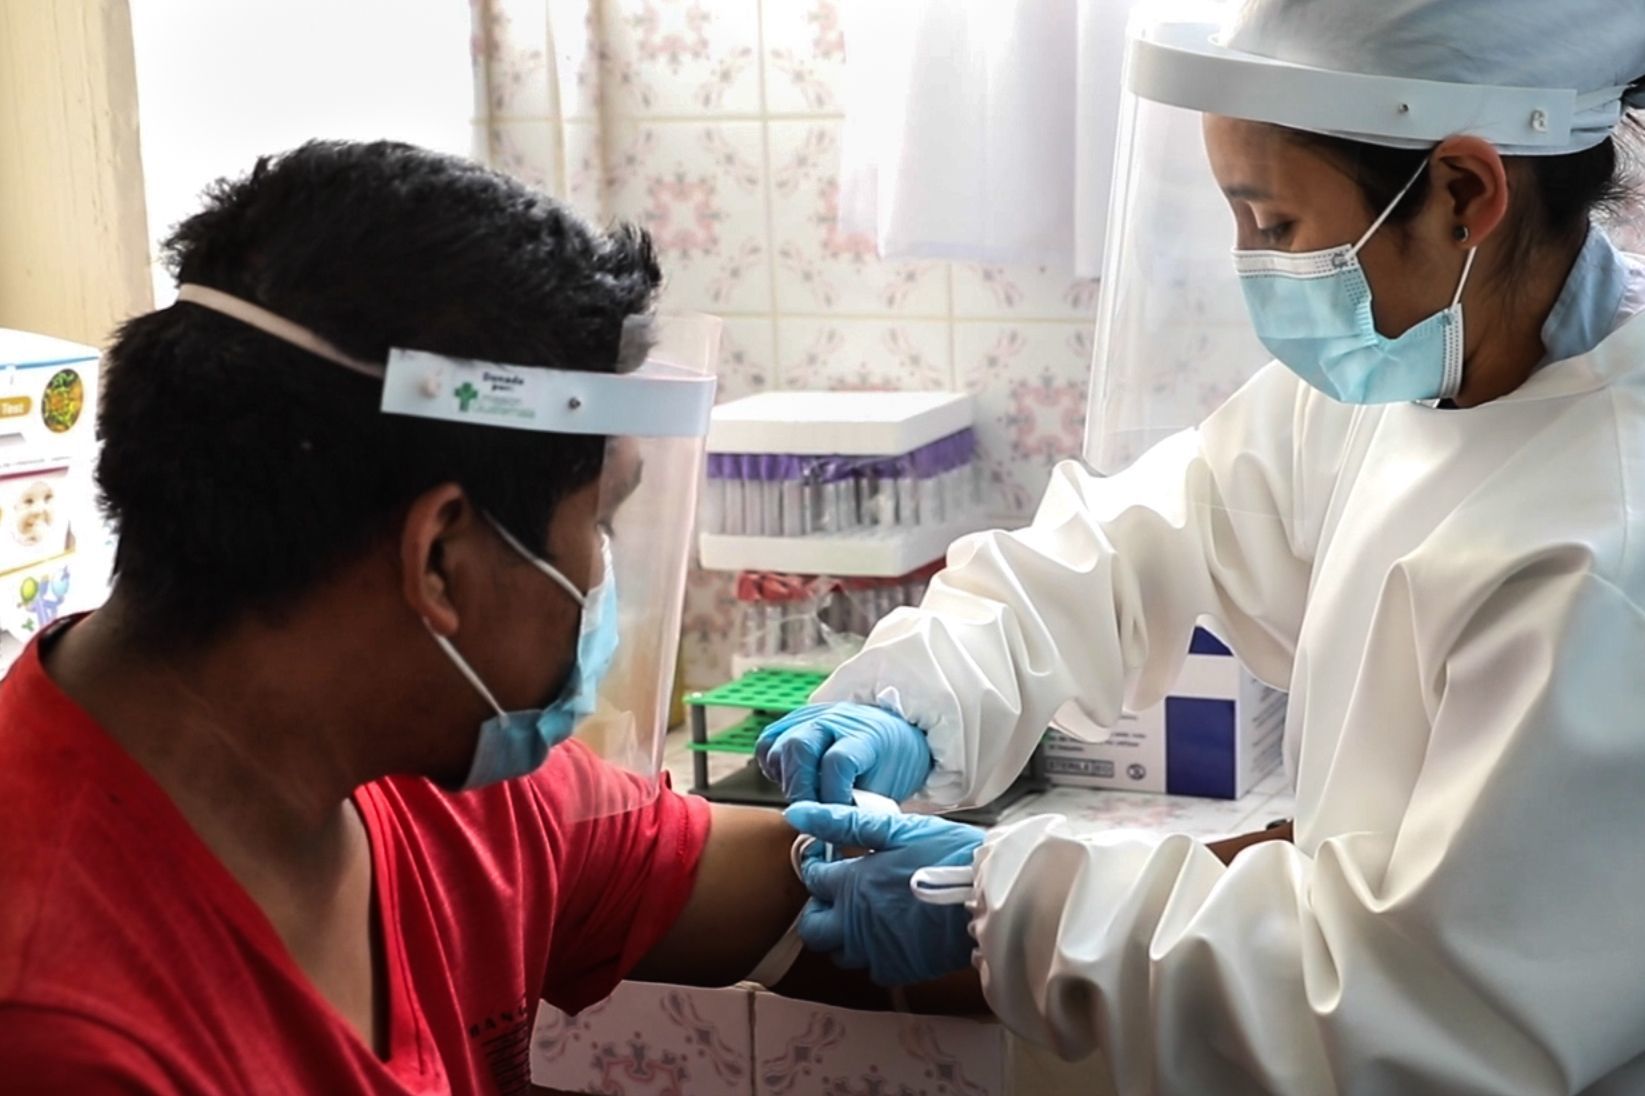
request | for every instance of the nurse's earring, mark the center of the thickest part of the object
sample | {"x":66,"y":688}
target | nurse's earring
{"x":1460,"y":232}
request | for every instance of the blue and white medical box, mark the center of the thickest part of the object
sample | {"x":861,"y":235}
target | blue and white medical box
{"x":1217,"y":734}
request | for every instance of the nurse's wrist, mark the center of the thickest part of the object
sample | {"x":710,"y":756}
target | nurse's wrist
{"x":1227,"y":849}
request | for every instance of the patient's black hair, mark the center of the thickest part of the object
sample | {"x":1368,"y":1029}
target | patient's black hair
{"x":241,"y":470}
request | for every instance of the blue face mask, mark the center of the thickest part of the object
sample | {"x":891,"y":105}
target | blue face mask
{"x":516,"y":743}
{"x":1312,"y":310}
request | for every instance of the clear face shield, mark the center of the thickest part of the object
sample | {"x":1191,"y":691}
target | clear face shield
{"x":647,"y":502}
{"x":1179,"y":324}
{"x":612,"y":713}
{"x":1174,"y":340}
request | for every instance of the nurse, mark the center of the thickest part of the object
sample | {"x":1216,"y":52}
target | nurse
{"x":1425,"y":519}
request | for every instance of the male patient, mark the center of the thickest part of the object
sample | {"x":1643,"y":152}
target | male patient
{"x":234,"y":855}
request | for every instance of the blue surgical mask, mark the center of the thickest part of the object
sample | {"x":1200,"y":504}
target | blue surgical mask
{"x":1312,"y":310}
{"x":515,"y":743}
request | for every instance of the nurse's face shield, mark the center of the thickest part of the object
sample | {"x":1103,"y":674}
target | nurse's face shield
{"x":655,"y":422}
{"x":1173,"y":337}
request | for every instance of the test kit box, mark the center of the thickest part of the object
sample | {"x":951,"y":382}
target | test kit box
{"x":34,"y":521}
{"x":48,"y":506}
{"x":48,"y":401}
{"x":1217,"y":734}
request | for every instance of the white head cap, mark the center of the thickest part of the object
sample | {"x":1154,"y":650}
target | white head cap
{"x":1533,"y":77}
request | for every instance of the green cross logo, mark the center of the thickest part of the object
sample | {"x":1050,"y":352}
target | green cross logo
{"x":466,"y":394}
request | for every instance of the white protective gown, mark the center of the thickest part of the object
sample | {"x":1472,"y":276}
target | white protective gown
{"x":1453,"y":600}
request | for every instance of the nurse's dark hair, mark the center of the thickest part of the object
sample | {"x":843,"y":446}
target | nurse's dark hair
{"x":241,"y":471}
{"x":1568,"y":190}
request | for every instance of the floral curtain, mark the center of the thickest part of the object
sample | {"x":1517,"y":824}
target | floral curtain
{"x":537,"y":95}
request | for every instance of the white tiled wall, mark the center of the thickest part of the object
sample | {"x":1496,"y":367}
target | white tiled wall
{"x":721,"y":131}
{"x":717,"y":125}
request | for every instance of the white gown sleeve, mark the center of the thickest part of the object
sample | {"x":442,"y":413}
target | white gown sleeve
{"x":1096,"y":600}
{"x":1485,"y":945}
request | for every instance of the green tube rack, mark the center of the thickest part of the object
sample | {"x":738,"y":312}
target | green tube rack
{"x":767,"y":695}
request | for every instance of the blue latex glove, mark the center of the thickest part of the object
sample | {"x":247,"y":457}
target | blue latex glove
{"x":862,"y":912}
{"x":821,"y":751}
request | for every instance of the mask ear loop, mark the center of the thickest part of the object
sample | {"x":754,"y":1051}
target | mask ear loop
{"x":465,"y":669}
{"x":546,"y":568}
{"x":1393,"y":205}
{"x":542,"y":565}
{"x":1453,"y":335}
{"x":1467,"y":265}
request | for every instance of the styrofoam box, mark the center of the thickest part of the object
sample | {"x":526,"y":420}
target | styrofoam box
{"x":880,"y":553}
{"x":649,"y":1039}
{"x":837,"y":423}
{"x":1217,"y":734}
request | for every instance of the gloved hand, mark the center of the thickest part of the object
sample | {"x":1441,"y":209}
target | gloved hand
{"x":862,"y":911}
{"x":821,"y":751}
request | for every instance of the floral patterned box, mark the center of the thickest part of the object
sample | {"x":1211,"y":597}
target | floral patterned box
{"x":649,"y":1040}
{"x":662,"y":1040}
{"x":805,"y":1049}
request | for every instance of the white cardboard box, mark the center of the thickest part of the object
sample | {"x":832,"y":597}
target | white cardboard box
{"x":650,"y":1040}
{"x":1217,"y":734}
